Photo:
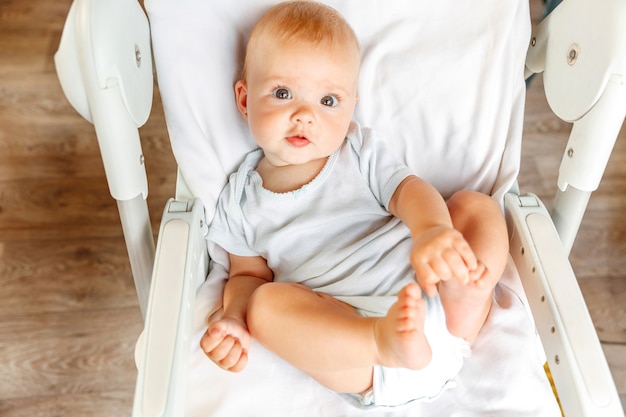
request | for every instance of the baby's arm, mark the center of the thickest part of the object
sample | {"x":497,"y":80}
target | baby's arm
{"x":227,"y":340}
{"x":439,"y":251}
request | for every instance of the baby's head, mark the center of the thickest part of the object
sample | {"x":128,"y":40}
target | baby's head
{"x":299,"y":84}
{"x":304,"y":24}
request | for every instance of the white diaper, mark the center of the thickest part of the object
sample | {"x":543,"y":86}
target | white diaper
{"x":397,"y":386}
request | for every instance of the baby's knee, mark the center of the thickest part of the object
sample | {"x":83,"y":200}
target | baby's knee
{"x":260,"y":306}
{"x":264,"y":304}
{"x":467,"y":200}
{"x":467,"y":205}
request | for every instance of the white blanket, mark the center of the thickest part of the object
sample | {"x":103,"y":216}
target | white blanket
{"x":503,"y":377}
{"x":443,"y":80}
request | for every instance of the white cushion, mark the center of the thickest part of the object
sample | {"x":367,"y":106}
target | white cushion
{"x":441,"y":80}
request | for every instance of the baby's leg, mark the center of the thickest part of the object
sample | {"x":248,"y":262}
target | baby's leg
{"x":330,"y":341}
{"x":479,"y":218}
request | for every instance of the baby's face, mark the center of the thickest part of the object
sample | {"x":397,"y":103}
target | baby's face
{"x":299,"y":101}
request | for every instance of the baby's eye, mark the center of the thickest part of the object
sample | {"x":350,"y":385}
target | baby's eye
{"x":330,"y":101}
{"x":282,"y":93}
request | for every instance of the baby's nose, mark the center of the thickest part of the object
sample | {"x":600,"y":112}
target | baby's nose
{"x":303,"y":114}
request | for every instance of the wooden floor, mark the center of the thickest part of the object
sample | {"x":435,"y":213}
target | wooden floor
{"x":69,"y":315}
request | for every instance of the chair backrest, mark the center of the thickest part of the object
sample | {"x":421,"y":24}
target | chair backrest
{"x":442,"y":81}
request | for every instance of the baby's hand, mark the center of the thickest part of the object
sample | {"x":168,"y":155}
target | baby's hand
{"x":226,"y":342}
{"x":479,"y":275}
{"x":441,"y":254}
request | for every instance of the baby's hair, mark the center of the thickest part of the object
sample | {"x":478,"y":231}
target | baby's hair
{"x":304,"y":22}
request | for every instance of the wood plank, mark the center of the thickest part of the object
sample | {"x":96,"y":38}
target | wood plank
{"x":77,"y":352}
{"x":29,"y":34}
{"x":53,"y":276}
{"x":72,"y":208}
{"x":99,"y":404}
{"x":616,"y":357}
{"x":602,"y":295}
{"x":49,"y":208}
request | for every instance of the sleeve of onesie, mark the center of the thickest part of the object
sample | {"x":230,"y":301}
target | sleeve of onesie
{"x":381,"y":169}
{"x":227,"y":229}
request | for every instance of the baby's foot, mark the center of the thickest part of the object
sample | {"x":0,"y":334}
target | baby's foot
{"x":400,"y":335}
{"x":466,"y":304}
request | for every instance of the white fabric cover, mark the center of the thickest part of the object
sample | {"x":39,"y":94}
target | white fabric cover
{"x":503,"y":377}
{"x":443,"y":82}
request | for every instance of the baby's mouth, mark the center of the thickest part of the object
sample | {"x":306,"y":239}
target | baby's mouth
{"x":298,"y":141}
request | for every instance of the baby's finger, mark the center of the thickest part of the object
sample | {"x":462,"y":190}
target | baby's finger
{"x":211,"y":339}
{"x":222,"y":350}
{"x":427,"y":280}
{"x":467,"y":254}
{"x":241,"y":363}
{"x":479,"y":275}
{"x":430,"y":289}
{"x":232,"y":358}
{"x":441,"y":269}
{"x":457,"y":266}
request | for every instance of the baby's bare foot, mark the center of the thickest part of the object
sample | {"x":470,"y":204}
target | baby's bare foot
{"x":400,"y":335}
{"x":467,"y":304}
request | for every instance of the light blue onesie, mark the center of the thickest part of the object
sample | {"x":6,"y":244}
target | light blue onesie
{"x":335,"y":235}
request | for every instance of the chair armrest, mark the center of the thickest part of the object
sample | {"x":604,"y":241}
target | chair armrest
{"x":575,"y":357}
{"x":162,"y":351}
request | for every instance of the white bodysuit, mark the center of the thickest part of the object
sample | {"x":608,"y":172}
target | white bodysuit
{"x":336,"y":236}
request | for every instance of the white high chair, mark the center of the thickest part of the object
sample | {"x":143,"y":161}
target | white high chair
{"x":464,"y":99}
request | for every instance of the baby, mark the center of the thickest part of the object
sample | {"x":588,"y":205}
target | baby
{"x":342,"y":261}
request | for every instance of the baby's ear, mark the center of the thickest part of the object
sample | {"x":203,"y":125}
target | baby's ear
{"x":241,"y":96}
